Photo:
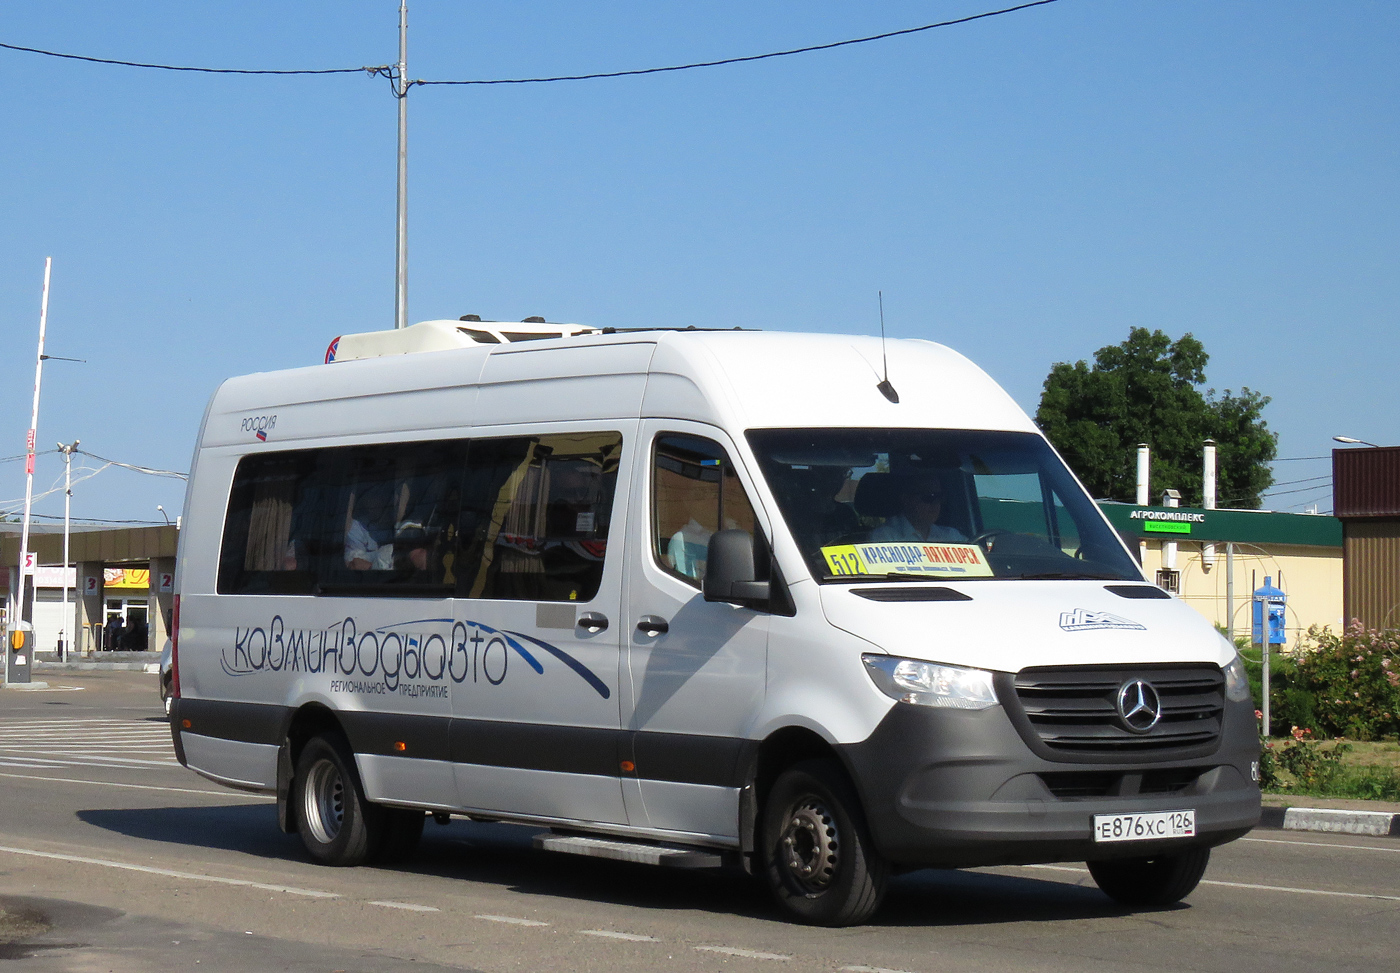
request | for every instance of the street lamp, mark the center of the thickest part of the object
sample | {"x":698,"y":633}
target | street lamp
{"x":67,"y":452}
{"x":1354,"y":442}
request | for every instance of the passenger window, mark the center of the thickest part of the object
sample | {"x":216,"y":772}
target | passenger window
{"x":1022,"y":503}
{"x":355,"y":520}
{"x":695,"y":492}
{"x":271,"y":515}
{"x":535,"y":516}
{"x":393,"y":519}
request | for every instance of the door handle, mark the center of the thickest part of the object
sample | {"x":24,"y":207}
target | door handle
{"x":592,"y":622}
{"x":652,"y":625}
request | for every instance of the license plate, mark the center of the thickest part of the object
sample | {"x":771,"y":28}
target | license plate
{"x":1144,"y":827}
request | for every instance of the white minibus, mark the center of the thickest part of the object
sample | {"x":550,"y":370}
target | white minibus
{"x":697,"y":598}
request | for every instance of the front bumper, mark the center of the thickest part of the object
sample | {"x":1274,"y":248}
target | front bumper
{"x":954,"y":788}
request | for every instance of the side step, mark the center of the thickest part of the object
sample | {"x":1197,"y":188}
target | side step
{"x":639,"y":852}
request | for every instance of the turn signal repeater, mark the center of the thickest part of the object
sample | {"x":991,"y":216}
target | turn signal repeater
{"x":400,"y":746}
{"x":628,"y":766}
{"x":186,"y":724}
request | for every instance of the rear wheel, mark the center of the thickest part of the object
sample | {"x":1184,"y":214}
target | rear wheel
{"x":1156,"y":881}
{"x":818,"y":857}
{"x":337,"y":824}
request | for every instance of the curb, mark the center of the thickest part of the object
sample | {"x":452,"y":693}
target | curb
{"x":1377,"y":824}
{"x":24,"y":685}
{"x":96,"y":666}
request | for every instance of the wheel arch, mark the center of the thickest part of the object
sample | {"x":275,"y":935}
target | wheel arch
{"x":306,"y":722}
{"x":778,"y":751}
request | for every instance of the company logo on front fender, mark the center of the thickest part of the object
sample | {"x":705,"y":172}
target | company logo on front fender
{"x":1081,"y":619}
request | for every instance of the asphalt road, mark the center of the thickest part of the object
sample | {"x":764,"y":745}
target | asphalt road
{"x":113,"y":857}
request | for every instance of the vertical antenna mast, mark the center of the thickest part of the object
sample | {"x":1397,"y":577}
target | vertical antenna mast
{"x":401,"y":239}
{"x":886,"y":389}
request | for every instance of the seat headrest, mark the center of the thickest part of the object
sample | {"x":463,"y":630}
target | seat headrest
{"x":877,"y":495}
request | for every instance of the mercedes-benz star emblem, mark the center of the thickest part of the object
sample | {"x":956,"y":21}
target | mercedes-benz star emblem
{"x":1139,"y":706}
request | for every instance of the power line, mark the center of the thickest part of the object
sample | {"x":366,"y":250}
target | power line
{"x":387,"y":70}
{"x":98,"y":520}
{"x":1308,"y":479}
{"x":177,"y":67}
{"x":13,"y":459}
{"x":132,"y":466}
{"x":750,"y":57}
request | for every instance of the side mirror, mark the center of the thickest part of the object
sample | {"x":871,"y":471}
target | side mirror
{"x":729,"y":570}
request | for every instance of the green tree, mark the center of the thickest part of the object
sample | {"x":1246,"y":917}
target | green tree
{"x":1147,"y":390}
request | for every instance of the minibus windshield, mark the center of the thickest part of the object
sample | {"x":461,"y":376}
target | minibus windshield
{"x":936,"y":504}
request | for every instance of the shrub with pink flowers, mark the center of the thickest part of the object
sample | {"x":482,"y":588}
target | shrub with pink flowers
{"x":1354,"y":679}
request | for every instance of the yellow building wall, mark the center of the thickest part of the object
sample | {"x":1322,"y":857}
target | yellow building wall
{"x":1310,"y":576}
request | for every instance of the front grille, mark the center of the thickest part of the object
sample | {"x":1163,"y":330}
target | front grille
{"x":1073,"y":711}
{"x":1091,"y":783}
{"x":1069,"y":785}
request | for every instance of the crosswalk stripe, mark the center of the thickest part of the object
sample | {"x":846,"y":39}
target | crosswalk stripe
{"x":86,"y":742}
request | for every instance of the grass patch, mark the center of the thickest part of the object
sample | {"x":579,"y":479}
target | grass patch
{"x":1367,"y":771}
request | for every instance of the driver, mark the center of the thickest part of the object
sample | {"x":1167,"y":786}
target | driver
{"x":920,"y":504}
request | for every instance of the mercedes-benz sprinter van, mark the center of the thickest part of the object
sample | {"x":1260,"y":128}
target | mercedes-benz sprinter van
{"x":694,"y":598}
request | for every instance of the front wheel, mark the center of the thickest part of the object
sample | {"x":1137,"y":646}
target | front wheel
{"x":337,"y":824}
{"x":818,"y":858}
{"x":1147,"y":882}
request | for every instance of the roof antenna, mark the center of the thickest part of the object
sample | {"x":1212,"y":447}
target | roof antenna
{"x":886,"y":389}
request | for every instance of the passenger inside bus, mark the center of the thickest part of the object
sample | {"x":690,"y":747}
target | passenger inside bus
{"x":920,"y":502}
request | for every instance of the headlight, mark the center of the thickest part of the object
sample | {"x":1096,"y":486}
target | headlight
{"x":1236,"y":681}
{"x":930,"y":684}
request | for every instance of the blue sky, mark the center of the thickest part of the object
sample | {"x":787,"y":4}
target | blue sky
{"x":1025,"y":189}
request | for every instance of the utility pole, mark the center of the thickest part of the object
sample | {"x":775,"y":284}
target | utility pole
{"x":25,"y":606}
{"x":67,"y":452}
{"x":401,"y":248}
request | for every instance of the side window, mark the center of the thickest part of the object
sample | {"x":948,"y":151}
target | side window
{"x":269,"y":531}
{"x":1024,"y":503}
{"x":695,"y":492}
{"x":391,"y":519}
{"x":361,"y":519}
{"x":1011,"y":502}
{"x":535,"y":516}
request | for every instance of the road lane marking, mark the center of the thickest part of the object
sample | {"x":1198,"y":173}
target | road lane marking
{"x":169,"y":873}
{"x":35,"y":763}
{"x":627,"y":936}
{"x":408,"y":906}
{"x":513,"y":920}
{"x":146,"y":787}
{"x":744,"y":953}
{"x":1249,"y":885}
{"x":1283,"y":888}
{"x":1320,"y":844}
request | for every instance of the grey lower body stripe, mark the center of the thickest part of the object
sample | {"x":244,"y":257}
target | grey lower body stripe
{"x":676,"y":757}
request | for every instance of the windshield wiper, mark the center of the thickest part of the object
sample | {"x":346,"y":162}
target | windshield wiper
{"x":893,"y":576}
{"x":1065,"y":576}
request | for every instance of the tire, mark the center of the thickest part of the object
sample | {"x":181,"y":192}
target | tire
{"x":818,"y":859}
{"x":337,"y":824}
{"x":1151,"y":882}
{"x":403,"y":828}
